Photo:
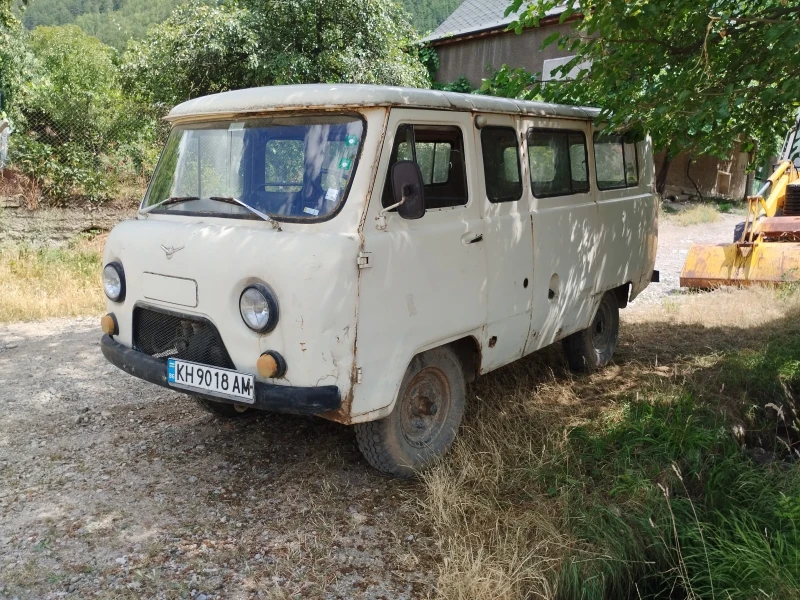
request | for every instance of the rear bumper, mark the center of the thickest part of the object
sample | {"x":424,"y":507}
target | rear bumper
{"x":274,"y":398}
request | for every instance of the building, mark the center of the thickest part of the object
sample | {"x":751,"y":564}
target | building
{"x":474,"y":42}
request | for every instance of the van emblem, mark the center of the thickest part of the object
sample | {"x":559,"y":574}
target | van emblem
{"x":171,"y":250}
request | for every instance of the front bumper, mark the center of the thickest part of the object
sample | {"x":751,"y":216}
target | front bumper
{"x":274,"y":398}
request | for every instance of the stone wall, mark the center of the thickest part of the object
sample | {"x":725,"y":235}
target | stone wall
{"x":54,"y":226}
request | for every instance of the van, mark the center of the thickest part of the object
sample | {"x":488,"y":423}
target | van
{"x":362,"y":253}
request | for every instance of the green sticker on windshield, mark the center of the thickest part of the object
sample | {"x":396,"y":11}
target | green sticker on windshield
{"x":351,"y":140}
{"x":345,"y":164}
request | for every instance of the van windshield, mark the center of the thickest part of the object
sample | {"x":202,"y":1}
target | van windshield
{"x":290,"y":168}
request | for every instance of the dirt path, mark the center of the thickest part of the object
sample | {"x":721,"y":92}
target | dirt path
{"x":114,"y":488}
{"x":673,"y":244}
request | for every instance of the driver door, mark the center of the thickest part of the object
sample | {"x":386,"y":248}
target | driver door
{"x":423,"y":282}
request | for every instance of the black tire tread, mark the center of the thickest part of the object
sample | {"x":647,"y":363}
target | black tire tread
{"x":368,"y":439}
{"x":578,"y":349}
{"x":377,"y":440}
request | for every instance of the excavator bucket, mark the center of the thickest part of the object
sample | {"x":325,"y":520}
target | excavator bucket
{"x":764,"y":263}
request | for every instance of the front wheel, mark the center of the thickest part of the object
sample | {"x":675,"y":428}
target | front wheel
{"x":425,"y":419}
{"x":593,"y":347}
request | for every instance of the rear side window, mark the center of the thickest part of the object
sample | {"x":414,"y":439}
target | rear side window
{"x":283,"y":165}
{"x":501,"y":166}
{"x":616,"y":162}
{"x":439,"y":152}
{"x":557,"y":161}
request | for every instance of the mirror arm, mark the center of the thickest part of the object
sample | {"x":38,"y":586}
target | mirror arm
{"x":392,"y":207}
{"x":380,"y":220}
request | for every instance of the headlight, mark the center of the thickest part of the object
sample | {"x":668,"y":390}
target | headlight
{"x":259,"y":308}
{"x":114,"y":282}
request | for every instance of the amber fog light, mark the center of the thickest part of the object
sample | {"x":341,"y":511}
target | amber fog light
{"x":109,"y":324}
{"x":271,"y":365}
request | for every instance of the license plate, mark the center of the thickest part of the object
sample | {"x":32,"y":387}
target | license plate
{"x":213,"y":381}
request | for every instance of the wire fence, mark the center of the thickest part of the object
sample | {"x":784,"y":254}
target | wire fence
{"x":69,"y":156}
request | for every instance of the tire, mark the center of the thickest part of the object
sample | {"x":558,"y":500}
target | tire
{"x":593,"y":347}
{"x":221,"y":409}
{"x":738,"y":232}
{"x":425,"y":419}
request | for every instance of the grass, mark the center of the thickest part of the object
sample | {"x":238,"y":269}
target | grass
{"x":42,"y":283}
{"x":696,"y":215}
{"x":666,"y":475}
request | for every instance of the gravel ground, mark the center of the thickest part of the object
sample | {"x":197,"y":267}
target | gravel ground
{"x":113,"y":488}
{"x":673,"y":244}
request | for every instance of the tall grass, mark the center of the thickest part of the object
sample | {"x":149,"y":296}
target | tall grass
{"x":42,"y":283}
{"x":664,"y":476}
{"x":696,"y":215}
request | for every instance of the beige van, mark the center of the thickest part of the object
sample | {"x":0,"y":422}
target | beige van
{"x":361,"y":253}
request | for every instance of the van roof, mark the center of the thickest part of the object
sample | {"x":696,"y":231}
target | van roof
{"x":343,"y":96}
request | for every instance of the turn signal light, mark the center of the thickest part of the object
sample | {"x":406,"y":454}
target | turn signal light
{"x":271,"y":365}
{"x":109,"y":324}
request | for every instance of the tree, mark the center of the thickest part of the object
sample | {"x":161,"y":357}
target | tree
{"x":76,"y":94}
{"x":428,"y":15}
{"x":80,"y":130}
{"x":699,"y":75}
{"x":15,"y":60}
{"x":204,"y":49}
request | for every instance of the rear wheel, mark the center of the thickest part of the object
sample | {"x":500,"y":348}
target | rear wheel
{"x":593,"y":347}
{"x":221,"y":409}
{"x":425,"y":419}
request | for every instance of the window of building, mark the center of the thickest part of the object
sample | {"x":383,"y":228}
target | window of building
{"x":439,"y":152}
{"x":616,"y":162}
{"x":501,"y":166}
{"x":557,"y":161}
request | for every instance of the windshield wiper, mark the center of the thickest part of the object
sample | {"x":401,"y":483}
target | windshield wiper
{"x":232,"y":200}
{"x":168,"y":201}
{"x":228,"y":199}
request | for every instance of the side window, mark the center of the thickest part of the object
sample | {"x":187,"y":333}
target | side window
{"x":557,"y":161}
{"x":283,"y":164}
{"x":616,"y":162}
{"x":434,"y":162}
{"x":439,"y":152}
{"x":501,"y":168}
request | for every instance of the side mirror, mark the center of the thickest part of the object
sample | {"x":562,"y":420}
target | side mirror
{"x":408,"y":190}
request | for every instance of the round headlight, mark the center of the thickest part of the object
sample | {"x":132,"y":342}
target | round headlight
{"x":258,"y":308}
{"x":114,"y":282}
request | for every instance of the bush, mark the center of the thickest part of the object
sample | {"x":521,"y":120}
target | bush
{"x":61,"y":172}
{"x":82,"y":136}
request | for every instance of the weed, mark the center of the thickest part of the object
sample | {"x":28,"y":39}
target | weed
{"x":42,"y":283}
{"x":696,"y":215}
{"x":630,"y":483}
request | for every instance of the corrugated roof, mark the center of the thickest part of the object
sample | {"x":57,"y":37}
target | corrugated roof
{"x":326,"y":96}
{"x":476,"y":15}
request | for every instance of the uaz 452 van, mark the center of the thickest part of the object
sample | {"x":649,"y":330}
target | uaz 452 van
{"x":361,"y":253}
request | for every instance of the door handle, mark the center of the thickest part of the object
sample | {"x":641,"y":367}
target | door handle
{"x":472,"y":239}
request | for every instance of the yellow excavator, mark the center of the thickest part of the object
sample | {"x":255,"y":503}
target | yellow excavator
{"x":766,"y":246}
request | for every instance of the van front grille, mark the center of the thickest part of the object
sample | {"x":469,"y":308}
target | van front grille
{"x":165,"y":334}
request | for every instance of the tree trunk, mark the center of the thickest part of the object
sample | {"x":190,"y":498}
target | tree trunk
{"x":661,"y":180}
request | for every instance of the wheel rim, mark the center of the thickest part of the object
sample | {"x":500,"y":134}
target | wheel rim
{"x":424,"y":407}
{"x":602,"y":331}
